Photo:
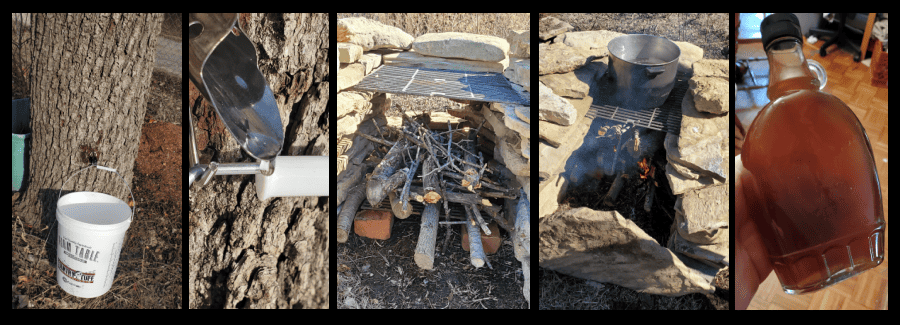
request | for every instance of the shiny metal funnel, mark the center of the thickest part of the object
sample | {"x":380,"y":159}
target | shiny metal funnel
{"x":223,"y":65}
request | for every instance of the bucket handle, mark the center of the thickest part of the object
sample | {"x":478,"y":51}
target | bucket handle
{"x":106,"y":169}
{"x":652,"y":72}
{"x":59,"y":195}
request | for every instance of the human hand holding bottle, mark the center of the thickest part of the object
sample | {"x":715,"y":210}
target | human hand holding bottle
{"x":813,"y":194}
{"x":753,"y":265}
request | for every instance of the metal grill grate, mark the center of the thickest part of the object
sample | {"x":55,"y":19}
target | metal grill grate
{"x":666,"y":118}
{"x":463,"y":85}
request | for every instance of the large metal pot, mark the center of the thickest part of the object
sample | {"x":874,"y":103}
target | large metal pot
{"x":643,"y":68}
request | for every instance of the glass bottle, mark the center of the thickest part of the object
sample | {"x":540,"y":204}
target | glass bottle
{"x":809,"y":167}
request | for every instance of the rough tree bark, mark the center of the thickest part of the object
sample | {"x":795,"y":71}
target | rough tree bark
{"x":90,"y":77}
{"x":272,"y":254}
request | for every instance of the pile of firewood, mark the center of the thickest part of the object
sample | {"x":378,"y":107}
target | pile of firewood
{"x":440,"y":169}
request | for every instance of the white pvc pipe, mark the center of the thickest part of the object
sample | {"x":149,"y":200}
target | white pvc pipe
{"x":295,"y":176}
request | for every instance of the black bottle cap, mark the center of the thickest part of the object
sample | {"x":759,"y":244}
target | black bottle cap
{"x":779,"y":25}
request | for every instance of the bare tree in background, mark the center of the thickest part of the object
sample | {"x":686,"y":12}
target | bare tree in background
{"x":90,"y":74}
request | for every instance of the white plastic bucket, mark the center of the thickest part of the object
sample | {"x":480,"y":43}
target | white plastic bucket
{"x":92,"y":229}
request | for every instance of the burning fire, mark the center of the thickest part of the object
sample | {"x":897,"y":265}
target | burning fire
{"x":646,"y":169}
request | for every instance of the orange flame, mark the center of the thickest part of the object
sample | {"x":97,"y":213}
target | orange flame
{"x":646,"y":169}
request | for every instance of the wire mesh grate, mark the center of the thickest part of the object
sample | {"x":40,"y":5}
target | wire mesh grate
{"x":462,"y":85}
{"x":666,"y":117}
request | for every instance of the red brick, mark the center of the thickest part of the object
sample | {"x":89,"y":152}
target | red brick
{"x":490,"y":243}
{"x":374,"y":224}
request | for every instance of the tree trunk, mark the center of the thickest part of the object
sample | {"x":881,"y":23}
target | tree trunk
{"x":90,"y":77}
{"x":249,"y":253}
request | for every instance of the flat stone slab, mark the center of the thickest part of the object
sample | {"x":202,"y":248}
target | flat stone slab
{"x":561,"y":58}
{"x":703,"y":142}
{"x":710,"y":86}
{"x":371,"y":34}
{"x":462,"y":45}
{"x":556,"y":109}
{"x":594,"y":42}
{"x":555,"y":134}
{"x":418,"y":60}
{"x":603,"y":246}
{"x":549,"y":27}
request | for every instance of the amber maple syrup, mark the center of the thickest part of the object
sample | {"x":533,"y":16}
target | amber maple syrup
{"x":811,"y":179}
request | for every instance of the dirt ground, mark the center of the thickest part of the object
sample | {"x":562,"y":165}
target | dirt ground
{"x":381,"y":274}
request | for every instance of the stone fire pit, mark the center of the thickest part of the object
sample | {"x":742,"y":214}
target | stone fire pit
{"x":461,"y":169}
{"x":576,"y":151}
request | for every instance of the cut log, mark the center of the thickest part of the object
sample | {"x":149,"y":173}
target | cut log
{"x":484,"y":182}
{"x":431,"y":195}
{"x":476,"y":251}
{"x":379,"y":185}
{"x":424,"y":256}
{"x":522,"y":240}
{"x":472,"y":175}
{"x":526,"y":273}
{"x":464,"y":198}
{"x":404,"y":194}
{"x":348,"y":212}
{"x":377,"y":140}
{"x":396,"y":180}
{"x":617,"y":186}
{"x":397,"y":205}
{"x":651,"y":191}
{"x":480,"y":220}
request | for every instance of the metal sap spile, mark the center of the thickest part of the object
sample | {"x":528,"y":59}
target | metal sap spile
{"x":223,"y":65}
